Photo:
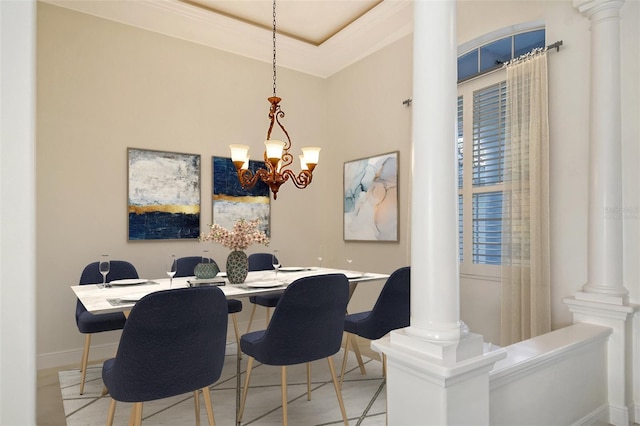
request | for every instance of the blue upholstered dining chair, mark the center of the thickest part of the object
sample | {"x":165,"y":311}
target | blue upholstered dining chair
{"x":306,"y":326}
{"x":173,"y":343}
{"x":262,"y":262}
{"x":391,"y":311}
{"x":89,"y":323}
{"x":185,"y":267}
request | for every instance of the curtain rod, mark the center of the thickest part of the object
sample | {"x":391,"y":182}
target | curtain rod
{"x":556,"y":45}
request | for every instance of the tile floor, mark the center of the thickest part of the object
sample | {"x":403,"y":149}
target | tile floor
{"x":364,"y":397}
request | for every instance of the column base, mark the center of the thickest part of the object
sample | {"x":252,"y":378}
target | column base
{"x":612,"y":299}
{"x":470,"y":345}
{"x":619,"y":350}
{"x":425,"y":390}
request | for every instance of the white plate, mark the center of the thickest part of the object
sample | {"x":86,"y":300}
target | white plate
{"x":265,"y":285}
{"x":222,"y":275}
{"x":354,"y":275}
{"x":135,"y":281}
{"x":292,"y":269}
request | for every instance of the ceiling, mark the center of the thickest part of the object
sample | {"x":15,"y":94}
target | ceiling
{"x":318,"y":37}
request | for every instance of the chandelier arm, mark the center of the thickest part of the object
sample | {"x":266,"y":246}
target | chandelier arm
{"x":248,"y":179}
{"x":301,"y":181}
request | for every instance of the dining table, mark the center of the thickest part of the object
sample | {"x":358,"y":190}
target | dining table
{"x":122,"y":295}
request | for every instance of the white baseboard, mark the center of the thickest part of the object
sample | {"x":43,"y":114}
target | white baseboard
{"x":73,"y":357}
{"x":598,"y":417}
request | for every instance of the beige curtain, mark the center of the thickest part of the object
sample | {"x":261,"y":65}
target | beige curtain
{"x":526,"y":310}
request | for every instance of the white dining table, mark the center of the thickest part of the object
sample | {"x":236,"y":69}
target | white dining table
{"x":123,"y":294}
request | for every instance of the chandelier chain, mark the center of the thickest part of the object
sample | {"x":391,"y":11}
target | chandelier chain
{"x":274,"y":47}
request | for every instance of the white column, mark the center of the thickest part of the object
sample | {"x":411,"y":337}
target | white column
{"x":17,"y":213}
{"x":427,"y":381}
{"x":604,"y":278}
{"x":604,"y":299}
{"x":435,"y":301}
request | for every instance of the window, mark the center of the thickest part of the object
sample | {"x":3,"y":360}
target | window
{"x":482,"y":132}
{"x":480,"y":147}
{"x":492,"y":55}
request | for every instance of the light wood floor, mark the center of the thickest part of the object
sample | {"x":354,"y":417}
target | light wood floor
{"x":50,"y":411}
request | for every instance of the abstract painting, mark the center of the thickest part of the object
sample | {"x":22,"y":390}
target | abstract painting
{"x":371,"y":198}
{"x":232,"y":202}
{"x":164,"y":195}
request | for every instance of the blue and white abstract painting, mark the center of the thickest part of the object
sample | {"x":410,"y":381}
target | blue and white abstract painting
{"x":164,"y":195}
{"x":232,"y":202}
{"x":371,"y":198}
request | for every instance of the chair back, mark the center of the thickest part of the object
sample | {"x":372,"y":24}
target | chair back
{"x":392,"y":310}
{"x":118,"y":270}
{"x":261,"y":261}
{"x":308,"y":322}
{"x":173,"y":342}
{"x":185,"y":266}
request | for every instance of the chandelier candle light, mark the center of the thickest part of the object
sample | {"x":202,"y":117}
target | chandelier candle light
{"x":276,"y":154}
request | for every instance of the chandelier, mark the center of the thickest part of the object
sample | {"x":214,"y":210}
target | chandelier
{"x":276,"y":155}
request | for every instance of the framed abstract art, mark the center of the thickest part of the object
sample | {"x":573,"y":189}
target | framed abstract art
{"x":371,"y":198}
{"x":232,"y":202}
{"x":163,"y":195}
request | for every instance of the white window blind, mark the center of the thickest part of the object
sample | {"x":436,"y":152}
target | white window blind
{"x":489,"y":115}
{"x":487,"y":228}
{"x":482,"y":190}
{"x":489,"y":127}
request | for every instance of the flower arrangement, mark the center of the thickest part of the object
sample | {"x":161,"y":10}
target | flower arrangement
{"x":243,"y":234}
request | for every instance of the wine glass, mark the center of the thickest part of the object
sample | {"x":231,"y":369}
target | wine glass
{"x":349,"y":261}
{"x":320,"y":256}
{"x":275,"y":262}
{"x":171,"y":268}
{"x":103,"y":266}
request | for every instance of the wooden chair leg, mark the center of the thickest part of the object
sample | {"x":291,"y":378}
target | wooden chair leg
{"x":84,"y":361}
{"x":253,"y":311}
{"x":138,"y":413}
{"x":111,"y":413}
{"x":196,"y":403}
{"x":206,"y":395}
{"x":356,"y":350}
{"x":234,"y":319}
{"x":283,"y":373}
{"x":308,"y":381}
{"x":338,"y":391}
{"x":246,"y":388}
{"x":132,"y":416}
{"x":344,"y":358}
{"x":384,"y":365}
{"x":135,"y":418}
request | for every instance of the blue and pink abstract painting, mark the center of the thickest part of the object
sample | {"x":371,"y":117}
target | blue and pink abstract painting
{"x":232,"y":202}
{"x":371,"y":198}
{"x":163,"y":195}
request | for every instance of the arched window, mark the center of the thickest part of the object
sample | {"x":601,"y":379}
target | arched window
{"x":482,"y":133}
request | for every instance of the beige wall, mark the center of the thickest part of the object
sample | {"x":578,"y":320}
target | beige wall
{"x":103,"y":87}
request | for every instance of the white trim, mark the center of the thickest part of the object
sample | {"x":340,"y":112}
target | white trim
{"x":599,"y":416}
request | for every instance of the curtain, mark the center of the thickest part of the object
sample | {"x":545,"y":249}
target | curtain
{"x":526,"y":301}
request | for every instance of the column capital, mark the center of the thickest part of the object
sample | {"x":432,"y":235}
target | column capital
{"x":590,"y":7}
